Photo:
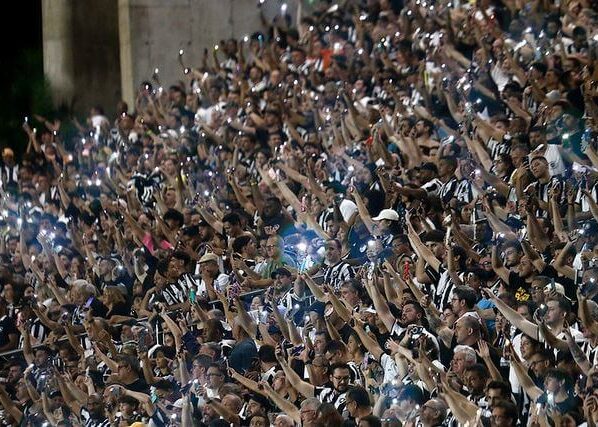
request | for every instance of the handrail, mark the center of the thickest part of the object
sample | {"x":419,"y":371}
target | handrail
{"x":11,"y":353}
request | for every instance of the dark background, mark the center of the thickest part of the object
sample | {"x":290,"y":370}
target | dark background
{"x":23,"y":89}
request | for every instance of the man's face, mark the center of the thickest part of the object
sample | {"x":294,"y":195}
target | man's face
{"x":539,"y":365}
{"x":250,"y":249}
{"x":526,"y":348}
{"x":524,"y":311}
{"x":254,"y":408}
{"x":512,"y":257}
{"x":41,"y":358}
{"x":461,"y":332}
{"x":437,"y":248}
{"x":499,"y":418}
{"x":282,"y":281}
{"x":456,"y":304}
{"x":272,"y":248}
{"x":350,"y":295}
{"x":320,"y":343}
{"x":475,"y":382}
{"x":106,"y":267}
{"x":14,"y":373}
{"x":525,"y":267}
{"x":539,"y":168}
{"x":555,"y":314}
{"x":493,"y":395}
{"x":333,"y":252}
{"x":124,"y":371}
{"x":176,"y":267}
{"x":409,"y":315}
{"x":340,"y":379}
{"x":215,"y":378}
{"x":517,"y":157}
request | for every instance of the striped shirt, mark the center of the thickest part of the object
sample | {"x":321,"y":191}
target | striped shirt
{"x":330,"y":395}
{"x":337,"y":274}
{"x":88,"y":421}
{"x":38,"y":332}
{"x":541,"y":192}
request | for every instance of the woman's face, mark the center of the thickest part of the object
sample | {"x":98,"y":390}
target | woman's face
{"x":169,"y":340}
{"x":352,"y":345}
{"x":9,"y":292}
{"x":256,"y":303}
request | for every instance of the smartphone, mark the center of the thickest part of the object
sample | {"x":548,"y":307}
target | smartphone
{"x":89,"y":302}
{"x":141,"y":340}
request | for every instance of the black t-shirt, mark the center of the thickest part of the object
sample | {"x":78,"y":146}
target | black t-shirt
{"x":138,"y":385}
{"x":7,"y":328}
{"x":120,"y":309}
{"x":568,"y":405}
{"x":518,"y":285}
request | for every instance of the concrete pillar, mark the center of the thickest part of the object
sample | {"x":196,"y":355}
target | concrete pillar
{"x":81,"y":53}
{"x":58,"y":49}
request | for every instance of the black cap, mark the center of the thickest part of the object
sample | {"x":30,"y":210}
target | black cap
{"x":280,"y":271}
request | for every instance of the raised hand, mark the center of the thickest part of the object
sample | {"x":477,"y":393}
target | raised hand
{"x":483,"y":349}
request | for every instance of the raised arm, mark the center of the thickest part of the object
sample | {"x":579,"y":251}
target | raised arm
{"x":498,"y":267}
{"x":305,"y":388}
{"x":380,"y":304}
{"x":528,"y":328}
{"x":283,"y":404}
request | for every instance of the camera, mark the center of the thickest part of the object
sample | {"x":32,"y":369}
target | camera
{"x":417,"y":332}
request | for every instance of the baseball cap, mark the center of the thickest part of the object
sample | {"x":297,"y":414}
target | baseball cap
{"x":389,"y":214}
{"x":279,"y":271}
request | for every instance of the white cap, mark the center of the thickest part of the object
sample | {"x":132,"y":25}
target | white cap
{"x":347,"y":208}
{"x":557,"y":287}
{"x":389,"y":214}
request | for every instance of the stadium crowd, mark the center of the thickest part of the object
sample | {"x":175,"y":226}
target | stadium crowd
{"x":378,"y":213}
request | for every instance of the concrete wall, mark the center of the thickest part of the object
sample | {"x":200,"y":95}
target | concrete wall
{"x":81,"y":52}
{"x":153,"y":31}
{"x":98,"y":52}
